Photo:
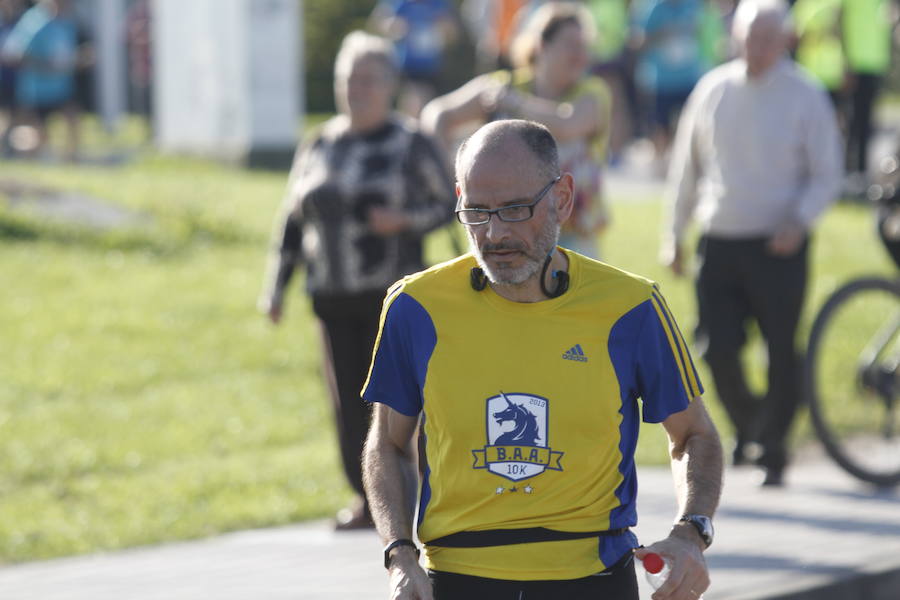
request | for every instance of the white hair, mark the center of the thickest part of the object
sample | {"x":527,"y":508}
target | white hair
{"x":749,"y":11}
{"x":358,"y":45}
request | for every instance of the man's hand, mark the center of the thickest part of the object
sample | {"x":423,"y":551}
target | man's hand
{"x":688,"y":576}
{"x":271,"y":307}
{"x":786,"y":240}
{"x":408,"y":579}
{"x":673,"y":258}
{"x":275,"y":314}
{"x":387,"y":221}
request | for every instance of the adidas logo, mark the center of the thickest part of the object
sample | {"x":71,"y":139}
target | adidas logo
{"x":575,"y":353}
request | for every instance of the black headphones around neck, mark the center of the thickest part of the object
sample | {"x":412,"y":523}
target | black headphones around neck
{"x":478,"y":280}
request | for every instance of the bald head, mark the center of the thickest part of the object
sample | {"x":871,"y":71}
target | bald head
{"x":761,"y":32}
{"x":769,"y":13}
{"x":512,"y":140}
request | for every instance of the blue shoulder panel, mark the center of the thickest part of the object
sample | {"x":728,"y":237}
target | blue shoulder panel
{"x":651,"y":362}
{"x":405,"y":345}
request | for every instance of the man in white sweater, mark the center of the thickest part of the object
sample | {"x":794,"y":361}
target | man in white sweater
{"x":756,"y":161}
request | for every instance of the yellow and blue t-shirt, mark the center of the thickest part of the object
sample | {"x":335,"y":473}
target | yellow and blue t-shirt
{"x":531,"y":411}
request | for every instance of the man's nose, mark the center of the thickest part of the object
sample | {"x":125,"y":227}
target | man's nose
{"x":496,"y":229}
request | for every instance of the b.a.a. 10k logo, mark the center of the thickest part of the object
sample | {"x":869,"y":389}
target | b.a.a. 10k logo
{"x":517,"y":446}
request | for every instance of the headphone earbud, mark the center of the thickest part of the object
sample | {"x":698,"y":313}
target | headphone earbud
{"x":477,"y":279}
{"x":562,"y":285}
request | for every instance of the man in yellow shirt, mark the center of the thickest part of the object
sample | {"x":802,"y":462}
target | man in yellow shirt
{"x":531,"y":368}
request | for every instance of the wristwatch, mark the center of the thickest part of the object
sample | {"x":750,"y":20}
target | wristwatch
{"x":703,"y":524}
{"x":394,"y":544}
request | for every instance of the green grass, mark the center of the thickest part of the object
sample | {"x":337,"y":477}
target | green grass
{"x":143,"y":398}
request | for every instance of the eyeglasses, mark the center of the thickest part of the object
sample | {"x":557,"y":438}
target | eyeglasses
{"x":510,"y":214}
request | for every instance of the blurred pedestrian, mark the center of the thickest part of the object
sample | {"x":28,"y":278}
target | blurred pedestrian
{"x":361,"y":195}
{"x":10,"y":12}
{"x":670,"y":61}
{"x":867,"y":28}
{"x":715,"y":25}
{"x":551,"y":86}
{"x":491,"y":24}
{"x":757,"y":159}
{"x":421,"y":31}
{"x":44,"y":48}
{"x":139,"y":42}
{"x":613,"y":62}
{"x":820,"y":44}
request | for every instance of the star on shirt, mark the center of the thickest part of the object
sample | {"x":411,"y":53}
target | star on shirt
{"x":500,"y":490}
{"x":528,"y":489}
{"x":513,"y":489}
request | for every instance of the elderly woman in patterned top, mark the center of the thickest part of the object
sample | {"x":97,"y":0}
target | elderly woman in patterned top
{"x":361,"y":196}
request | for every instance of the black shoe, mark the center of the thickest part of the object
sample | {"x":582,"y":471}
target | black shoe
{"x":774,"y":477}
{"x":349,"y":519}
{"x":745,"y":453}
{"x":739,"y":456}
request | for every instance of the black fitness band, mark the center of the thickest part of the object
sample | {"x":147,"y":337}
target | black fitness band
{"x":395,"y":544}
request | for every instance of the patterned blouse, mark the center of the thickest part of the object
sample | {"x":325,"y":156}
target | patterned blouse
{"x":334,"y":182}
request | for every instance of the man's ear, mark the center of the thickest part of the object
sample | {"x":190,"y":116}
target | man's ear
{"x":565,"y":197}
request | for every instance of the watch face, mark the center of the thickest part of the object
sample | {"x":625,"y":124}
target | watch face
{"x":703,"y":524}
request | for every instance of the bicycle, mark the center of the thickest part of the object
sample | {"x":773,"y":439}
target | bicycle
{"x":852,"y":372}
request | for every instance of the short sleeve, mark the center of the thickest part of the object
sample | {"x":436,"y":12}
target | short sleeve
{"x":665,"y":375}
{"x":405,"y":342}
{"x":653,"y":20}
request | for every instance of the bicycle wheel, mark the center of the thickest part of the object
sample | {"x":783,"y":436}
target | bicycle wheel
{"x":852,"y":382}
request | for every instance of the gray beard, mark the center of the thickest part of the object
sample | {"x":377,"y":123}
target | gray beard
{"x":534,"y":259}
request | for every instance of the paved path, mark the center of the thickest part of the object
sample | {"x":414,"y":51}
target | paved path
{"x":822,"y":537}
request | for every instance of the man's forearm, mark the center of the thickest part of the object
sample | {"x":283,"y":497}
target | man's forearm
{"x":697,"y":468}
{"x":389,"y":477}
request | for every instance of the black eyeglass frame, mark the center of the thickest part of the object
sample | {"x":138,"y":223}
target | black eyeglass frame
{"x":489,"y":212}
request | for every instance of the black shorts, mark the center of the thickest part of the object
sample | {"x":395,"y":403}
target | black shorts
{"x":619,"y":583}
{"x":667,"y":105}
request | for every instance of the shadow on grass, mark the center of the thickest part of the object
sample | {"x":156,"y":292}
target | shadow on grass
{"x":163,"y":236}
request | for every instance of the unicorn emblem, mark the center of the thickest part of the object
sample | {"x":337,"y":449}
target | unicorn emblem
{"x":525,"y":429}
{"x":516,"y":441}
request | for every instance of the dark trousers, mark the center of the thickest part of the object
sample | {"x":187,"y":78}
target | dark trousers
{"x":740,"y":280}
{"x":859,"y":127}
{"x":620,"y":583}
{"x":349,"y":325}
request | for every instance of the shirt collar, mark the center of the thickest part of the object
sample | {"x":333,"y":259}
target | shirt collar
{"x":767,"y":77}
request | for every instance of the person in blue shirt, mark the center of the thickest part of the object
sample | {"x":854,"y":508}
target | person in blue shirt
{"x":10,"y":12}
{"x":670,"y":61}
{"x":420,"y":30}
{"x":43,"y":46}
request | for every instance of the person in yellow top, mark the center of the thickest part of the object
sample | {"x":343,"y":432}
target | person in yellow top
{"x":530,"y":368}
{"x":551,"y":86}
{"x":819,"y":47}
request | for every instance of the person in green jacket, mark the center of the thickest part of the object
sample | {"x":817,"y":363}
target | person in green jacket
{"x":867,"y":48}
{"x":819,"y":45}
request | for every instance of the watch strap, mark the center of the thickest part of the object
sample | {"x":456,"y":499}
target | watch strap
{"x":702,"y":524}
{"x":395,"y":544}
